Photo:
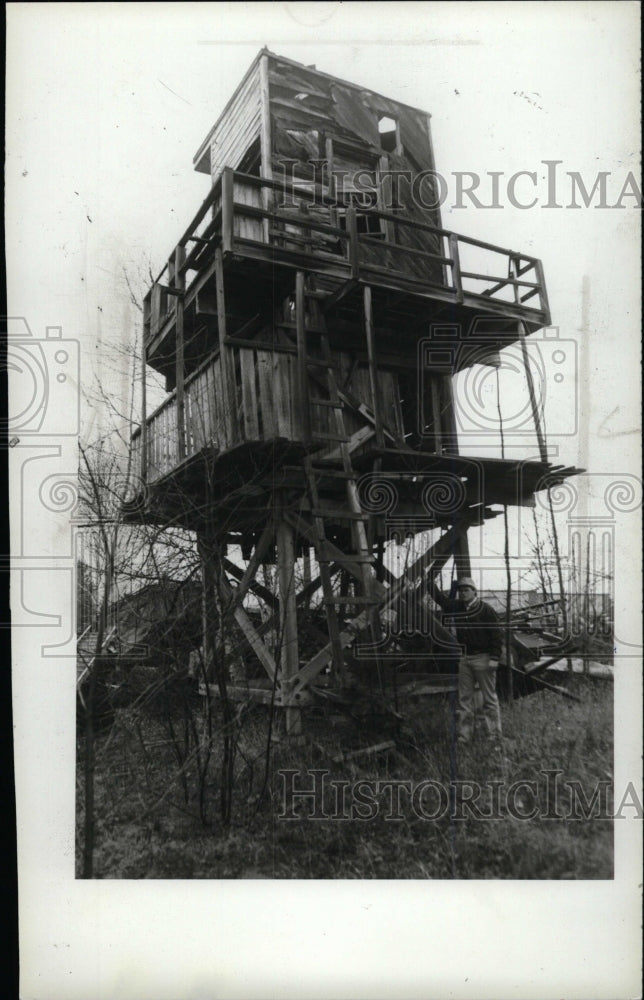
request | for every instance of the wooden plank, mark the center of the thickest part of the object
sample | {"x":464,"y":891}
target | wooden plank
{"x":229,"y":139}
{"x":282,"y":390}
{"x":265,"y":373}
{"x":247,"y":226}
{"x":226,"y":211}
{"x":249,"y":394}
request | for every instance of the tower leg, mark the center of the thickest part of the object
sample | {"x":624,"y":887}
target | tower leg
{"x":289,"y":655}
{"x":462,"y":556}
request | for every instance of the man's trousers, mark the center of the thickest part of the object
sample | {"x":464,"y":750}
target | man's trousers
{"x":475,"y":672}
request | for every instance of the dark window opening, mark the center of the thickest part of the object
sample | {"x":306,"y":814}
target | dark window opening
{"x":388,"y":130}
{"x":251,"y":160}
{"x":367,"y":223}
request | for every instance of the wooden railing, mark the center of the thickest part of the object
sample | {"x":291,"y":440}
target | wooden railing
{"x":305,"y":227}
{"x":265,"y":408}
{"x":302,"y":227}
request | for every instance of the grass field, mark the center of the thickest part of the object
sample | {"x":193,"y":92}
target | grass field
{"x":378,"y":820}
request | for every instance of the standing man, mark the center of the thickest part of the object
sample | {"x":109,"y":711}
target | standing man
{"x":478,"y":633}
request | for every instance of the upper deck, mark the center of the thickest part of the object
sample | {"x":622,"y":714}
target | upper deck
{"x":457,"y":280}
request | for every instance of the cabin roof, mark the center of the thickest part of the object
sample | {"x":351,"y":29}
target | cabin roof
{"x":202,"y":155}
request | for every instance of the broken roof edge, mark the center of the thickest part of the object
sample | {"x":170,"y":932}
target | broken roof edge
{"x":203,"y":151}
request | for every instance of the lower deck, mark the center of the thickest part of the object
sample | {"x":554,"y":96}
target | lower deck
{"x":412,"y":490}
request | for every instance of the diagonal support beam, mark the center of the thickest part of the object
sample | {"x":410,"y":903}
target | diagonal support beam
{"x":306,"y":531}
{"x":248,"y":576}
{"x":333,"y":300}
{"x":254,"y":586}
{"x":434,"y":557}
{"x":250,"y":633}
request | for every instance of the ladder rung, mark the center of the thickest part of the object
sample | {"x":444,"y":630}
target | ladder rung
{"x":315,"y":401}
{"x":330,"y":437}
{"x":342,"y":515}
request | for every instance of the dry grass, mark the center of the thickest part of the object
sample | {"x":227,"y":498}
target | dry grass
{"x":149,"y":824}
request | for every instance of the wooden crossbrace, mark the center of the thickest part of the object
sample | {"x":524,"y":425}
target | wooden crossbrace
{"x":433,"y":559}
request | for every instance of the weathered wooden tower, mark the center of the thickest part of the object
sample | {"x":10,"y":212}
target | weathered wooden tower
{"x":308,"y":325}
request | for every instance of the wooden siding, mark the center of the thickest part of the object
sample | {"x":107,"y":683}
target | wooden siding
{"x":238,"y":129}
{"x":267,"y":406}
{"x":316,"y":117}
{"x":246,"y":227}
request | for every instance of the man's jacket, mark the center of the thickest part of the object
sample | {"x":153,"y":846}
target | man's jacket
{"x":477,"y":626}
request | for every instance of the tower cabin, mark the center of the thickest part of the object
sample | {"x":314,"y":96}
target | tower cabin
{"x":309,"y":324}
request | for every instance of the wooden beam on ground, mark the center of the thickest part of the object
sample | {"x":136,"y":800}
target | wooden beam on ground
{"x":550,"y":687}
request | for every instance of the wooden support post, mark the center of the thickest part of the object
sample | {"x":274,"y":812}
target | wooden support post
{"x":541,"y":440}
{"x":180,"y":284}
{"x":386,"y":204}
{"x":144,"y":415}
{"x":543,"y":294}
{"x":448,"y":417}
{"x":462,"y":556}
{"x":302,"y":378}
{"x":306,"y":572}
{"x":155,"y":309}
{"x":457,"y":281}
{"x":227,"y":198}
{"x":289,"y":656}
{"x":228,"y":383}
{"x":352,"y":229}
{"x":209,"y":603}
{"x":373,"y":371}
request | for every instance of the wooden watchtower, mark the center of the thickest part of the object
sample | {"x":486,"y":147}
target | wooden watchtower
{"x":308,"y":324}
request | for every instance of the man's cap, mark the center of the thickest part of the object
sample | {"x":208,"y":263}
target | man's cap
{"x":466,"y":581}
